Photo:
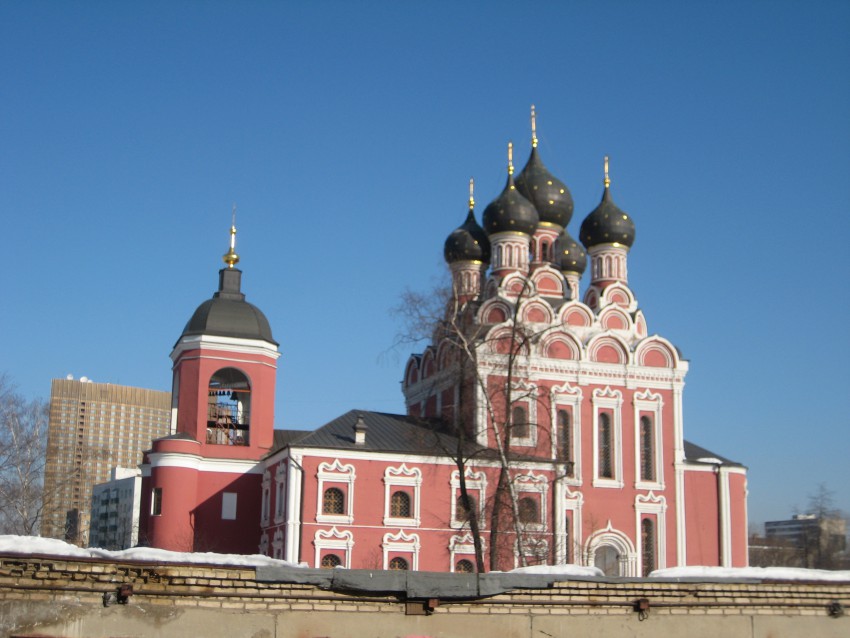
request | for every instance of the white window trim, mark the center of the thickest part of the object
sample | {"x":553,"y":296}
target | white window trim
{"x":608,"y":399}
{"x":335,"y":540}
{"x":266,"y":503}
{"x":402,"y":477}
{"x":474,"y":481}
{"x":277,"y":545}
{"x":336,"y":473}
{"x":618,"y":540}
{"x":280,"y":492}
{"x":401,"y":543}
{"x":531,"y":548}
{"x":527,"y":400}
{"x":534,"y":484}
{"x":652,"y":403}
{"x":572,"y":503}
{"x":463,"y":547}
{"x":568,"y":396}
{"x":655,"y":506}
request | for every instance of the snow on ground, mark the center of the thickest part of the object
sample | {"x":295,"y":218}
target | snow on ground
{"x":54,"y":547}
{"x":758,"y":573}
{"x":559,"y":570}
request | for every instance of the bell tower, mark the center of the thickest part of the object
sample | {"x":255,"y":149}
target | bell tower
{"x":206,"y":474}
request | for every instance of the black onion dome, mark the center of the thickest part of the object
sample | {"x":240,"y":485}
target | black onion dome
{"x":607,"y":224}
{"x":572,"y":257}
{"x":227,"y":314}
{"x":468,"y":243}
{"x":549,"y":195}
{"x":510,"y":211}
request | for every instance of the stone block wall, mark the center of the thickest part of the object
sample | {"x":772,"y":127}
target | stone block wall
{"x":63,"y":597}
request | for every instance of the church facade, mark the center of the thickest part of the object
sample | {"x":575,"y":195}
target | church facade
{"x":544,"y":425}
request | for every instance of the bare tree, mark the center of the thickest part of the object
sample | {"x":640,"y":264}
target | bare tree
{"x":825,"y":541}
{"x":446,"y":320}
{"x":23,"y":445}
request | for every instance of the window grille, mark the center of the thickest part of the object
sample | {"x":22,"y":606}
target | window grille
{"x":647,"y":539}
{"x":464,"y":567}
{"x":519,"y":423}
{"x":463,"y":510}
{"x":333,"y":501}
{"x":606,"y":467}
{"x":400,"y":505}
{"x":647,"y":471}
{"x":329,"y":561}
{"x":398,"y":564}
{"x":565,"y":451}
{"x":528,"y":510}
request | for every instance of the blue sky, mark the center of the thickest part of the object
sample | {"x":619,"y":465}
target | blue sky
{"x":346,"y":132}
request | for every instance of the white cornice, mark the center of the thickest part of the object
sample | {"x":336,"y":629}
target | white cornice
{"x":201,"y":464}
{"x":228,"y":344}
{"x":355,"y":455}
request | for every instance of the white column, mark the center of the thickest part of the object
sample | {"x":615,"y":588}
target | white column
{"x":293,"y":510}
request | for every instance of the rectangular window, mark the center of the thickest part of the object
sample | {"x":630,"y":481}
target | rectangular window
{"x":278,"y":500}
{"x":606,"y":466}
{"x":647,"y":470}
{"x":228,"y":506}
{"x":156,"y":501}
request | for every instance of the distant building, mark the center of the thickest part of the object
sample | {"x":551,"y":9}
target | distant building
{"x":804,"y":540}
{"x":576,"y":391}
{"x":115,"y":510}
{"x":93,"y":428}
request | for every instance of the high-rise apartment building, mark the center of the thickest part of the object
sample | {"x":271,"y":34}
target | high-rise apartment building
{"x":94,"y":427}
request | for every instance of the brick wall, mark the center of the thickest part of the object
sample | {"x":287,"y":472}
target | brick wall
{"x":50,"y":596}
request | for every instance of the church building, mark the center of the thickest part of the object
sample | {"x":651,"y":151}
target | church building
{"x":543,"y":424}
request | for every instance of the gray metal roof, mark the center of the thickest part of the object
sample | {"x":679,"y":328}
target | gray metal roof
{"x":695,"y":454}
{"x":227,"y":314}
{"x":384,"y":433}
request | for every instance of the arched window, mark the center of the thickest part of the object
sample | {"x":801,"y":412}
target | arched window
{"x":606,"y":466}
{"x":647,"y":470}
{"x":519,"y":422}
{"x":464,"y":567}
{"x":329,"y":561}
{"x":400,"y":505}
{"x":228,"y":408}
{"x":565,"y":451}
{"x":647,"y":541}
{"x":464,"y":510}
{"x":544,"y":251}
{"x":528,"y":510}
{"x":398,"y":564}
{"x":333,"y":501}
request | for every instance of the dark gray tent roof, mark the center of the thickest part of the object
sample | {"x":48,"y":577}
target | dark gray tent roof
{"x":384,"y":433}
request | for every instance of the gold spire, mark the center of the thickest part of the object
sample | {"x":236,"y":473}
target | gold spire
{"x":230,"y":257}
{"x":471,"y":193}
{"x":510,"y":158}
{"x":533,"y":128}
{"x":607,"y":180}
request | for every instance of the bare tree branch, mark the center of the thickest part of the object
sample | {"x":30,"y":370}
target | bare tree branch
{"x":23,"y":446}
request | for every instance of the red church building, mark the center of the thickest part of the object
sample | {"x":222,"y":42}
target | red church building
{"x":543,"y":426}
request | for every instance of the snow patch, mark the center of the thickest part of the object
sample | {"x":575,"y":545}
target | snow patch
{"x":758,"y":573}
{"x":54,"y":547}
{"x":559,"y":570}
